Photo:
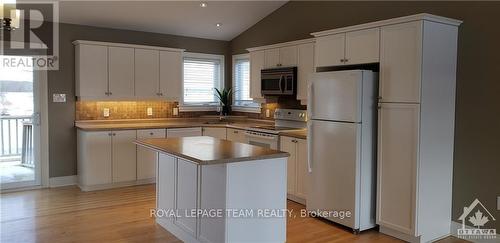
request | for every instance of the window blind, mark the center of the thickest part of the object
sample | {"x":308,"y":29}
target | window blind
{"x":242,"y":83}
{"x":201,"y":76}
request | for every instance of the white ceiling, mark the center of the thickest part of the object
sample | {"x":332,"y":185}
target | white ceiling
{"x":184,"y":18}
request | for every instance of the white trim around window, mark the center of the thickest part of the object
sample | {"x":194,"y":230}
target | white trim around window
{"x":242,"y":106}
{"x":219,"y":82}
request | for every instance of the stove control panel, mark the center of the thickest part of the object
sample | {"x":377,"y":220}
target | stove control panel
{"x":290,"y":114}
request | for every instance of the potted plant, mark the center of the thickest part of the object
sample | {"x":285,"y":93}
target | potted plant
{"x":224,"y":97}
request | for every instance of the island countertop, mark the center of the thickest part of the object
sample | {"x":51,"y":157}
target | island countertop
{"x":206,"y":150}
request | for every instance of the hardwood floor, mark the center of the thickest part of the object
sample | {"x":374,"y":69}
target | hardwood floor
{"x":122,"y":215}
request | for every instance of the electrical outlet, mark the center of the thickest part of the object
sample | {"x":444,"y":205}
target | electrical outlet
{"x":105,"y":112}
{"x":268,"y":113}
{"x":498,"y":203}
{"x":150,"y":111}
{"x":175,"y":111}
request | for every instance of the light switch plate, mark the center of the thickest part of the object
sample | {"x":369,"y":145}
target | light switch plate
{"x":105,"y":112}
{"x":149,"y":111}
{"x":175,"y":111}
{"x":268,"y":113}
{"x":498,"y":203}
{"x":58,"y":98}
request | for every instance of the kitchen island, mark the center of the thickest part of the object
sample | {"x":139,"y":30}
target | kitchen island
{"x":214,"y":190}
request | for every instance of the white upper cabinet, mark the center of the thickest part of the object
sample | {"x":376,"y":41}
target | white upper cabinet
{"x":257,"y":63}
{"x":115,"y":71}
{"x":305,"y":68}
{"x":288,"y":56}
{"x":272,"y":58}
{"x":121,"y":72}
{"x":170,"y":74}
{"x":147,"y":73}
{"x":91,"y":71}
{"x":362,"y":46}
{"x":400,"y":62}
{"x":330,"y":50}
{"x":354,"y":47}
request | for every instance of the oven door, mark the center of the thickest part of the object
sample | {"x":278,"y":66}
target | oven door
{"x":262,"y":139}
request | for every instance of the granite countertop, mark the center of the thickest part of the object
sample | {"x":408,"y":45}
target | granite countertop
{"x":302,"y":134}
{"x":165,"y":123}
{"x":206,"y":150}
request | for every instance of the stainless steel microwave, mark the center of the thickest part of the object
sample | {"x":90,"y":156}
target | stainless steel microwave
{"x":278,"y":81}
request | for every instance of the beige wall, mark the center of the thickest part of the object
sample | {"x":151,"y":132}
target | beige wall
{"x":477,"y":131}
{"x":62,"y":133}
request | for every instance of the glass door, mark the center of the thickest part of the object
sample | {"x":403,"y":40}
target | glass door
{"x":19,"y":124}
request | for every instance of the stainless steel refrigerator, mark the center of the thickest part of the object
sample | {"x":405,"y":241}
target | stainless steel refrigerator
{"x":341,"y":147}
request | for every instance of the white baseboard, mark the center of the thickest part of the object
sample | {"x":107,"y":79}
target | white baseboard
{"x":86,"y":188}
{"x":455,"y":226}
{"x":63,"y":181}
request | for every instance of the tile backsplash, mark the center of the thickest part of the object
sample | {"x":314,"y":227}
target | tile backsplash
{"x":93,"y":110}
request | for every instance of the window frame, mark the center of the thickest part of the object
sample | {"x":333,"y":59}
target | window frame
{"x":253,"y":107}
{"x":206,"y":106}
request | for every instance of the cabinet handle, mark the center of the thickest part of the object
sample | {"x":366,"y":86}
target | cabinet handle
{"x":342,"y":60}
{"x":151,"y":133}
{"x":235,"y":131}
{"x":106,"y":93}
{"x":346,"y":60}
{"x":110,"y":93}
{"x":109,"y":134}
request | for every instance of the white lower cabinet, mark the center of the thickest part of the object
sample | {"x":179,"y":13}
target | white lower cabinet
{"x":94,"y":158}
{"x":106,"y":159}
{"x":397,"y":161}
{"x":296,"y":167}
{"x":216,"y":132}
{"x":236,"y":135}
{"x":123,"y":155}
{"x":146,"y":159}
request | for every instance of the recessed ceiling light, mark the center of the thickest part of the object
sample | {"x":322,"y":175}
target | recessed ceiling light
{"x":218,"y":24}
{"x":203,"y":5}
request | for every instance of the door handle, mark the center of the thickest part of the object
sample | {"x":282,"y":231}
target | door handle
{"x":309,"y":147}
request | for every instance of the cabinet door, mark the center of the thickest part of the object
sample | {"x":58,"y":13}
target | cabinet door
{"x":146,"y":159}
{"x":236,"y":135}
{"x":362,"y":46}
{"x":288,"y":144}
{"x":305,"y":68}
{"x":147,"y":73}
{"x":183,"y":132}
{"x":187,"y":191}
{"x":124,"y":156}
{"x":91,"y":71}
{"x":397,"y":166}
{"x":257,"y":60}
{"x":94,"y":157}
{"x":288,"y":56}
{"x":216,"y":132}
{"x":301,"y":168}
{"x":165,"y":186}
{"x":121,"y":72}
{"x":400,"y":62}
{"x":329,"y":50}
{"x":272,"y":58}
{"x":171,"y":74}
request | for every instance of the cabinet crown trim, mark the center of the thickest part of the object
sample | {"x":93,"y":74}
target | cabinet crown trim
{"x":113,"y":44}
{"x":411,"y":18}
{"x":284,"y":44}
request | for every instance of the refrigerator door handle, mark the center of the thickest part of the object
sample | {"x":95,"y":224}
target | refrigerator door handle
{"x":309,"y":101}
{"x":309,"y":147}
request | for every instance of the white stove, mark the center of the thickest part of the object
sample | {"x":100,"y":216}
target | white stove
{"x":285,"y":120}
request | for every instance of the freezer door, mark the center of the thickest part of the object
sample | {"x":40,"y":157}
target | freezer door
{"x":333,"y":161}
{"x":336,"y":96}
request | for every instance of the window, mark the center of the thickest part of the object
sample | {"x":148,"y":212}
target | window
{"x":241,"y":85}
{"x":202,"y":73}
